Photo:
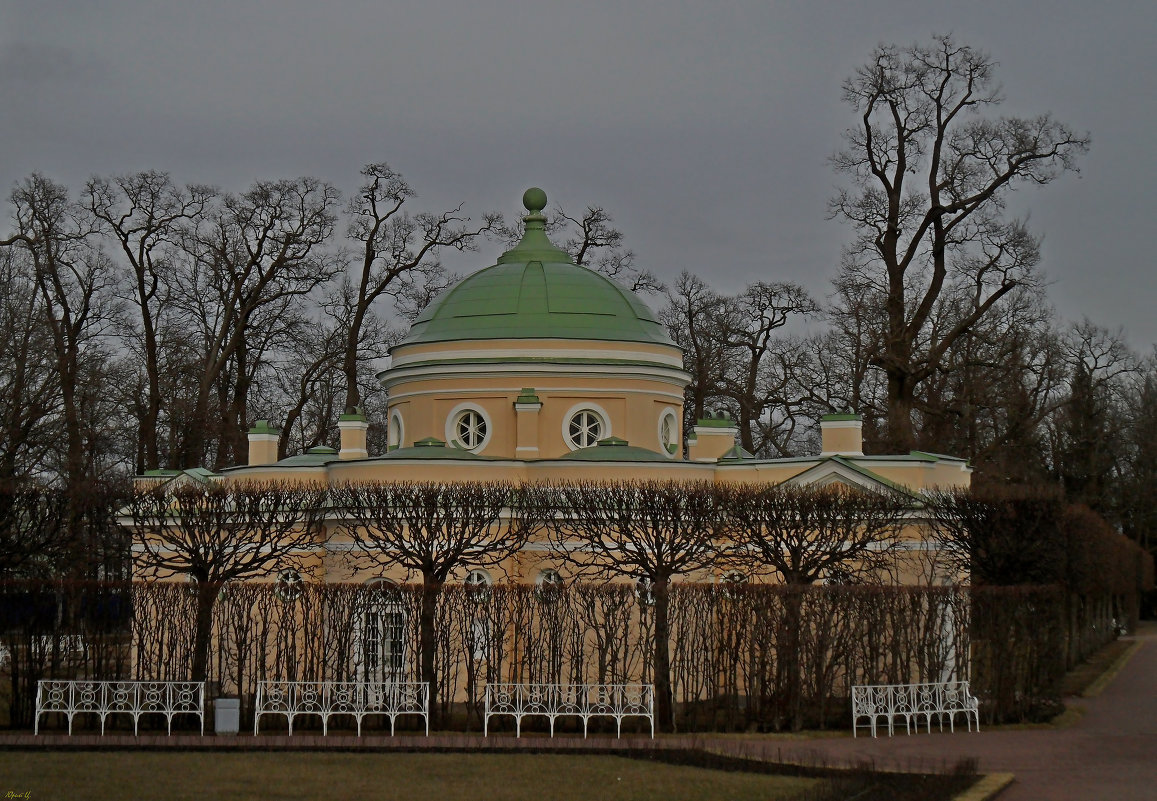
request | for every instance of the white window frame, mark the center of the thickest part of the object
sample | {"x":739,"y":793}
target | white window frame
{"x":452,"y":427}
{"x":594,"y":408}
{"x":396,"y":421}
{"x":669,"y":413}
{"x":388,"y":618}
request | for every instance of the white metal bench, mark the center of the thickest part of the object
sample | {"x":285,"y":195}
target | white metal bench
{"x":584,"y":701}
{"x":913,"y":702}
{"x":328,"y":698}
{"x":133,"y":698}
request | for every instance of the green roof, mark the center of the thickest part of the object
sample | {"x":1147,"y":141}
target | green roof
{"x":431,"y":448}
{"x":312,"y":457}
{"x":613,"y":449}
{"x":536,"y":291}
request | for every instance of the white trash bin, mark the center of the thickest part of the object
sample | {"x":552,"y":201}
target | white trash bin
{"x":227,"y":715}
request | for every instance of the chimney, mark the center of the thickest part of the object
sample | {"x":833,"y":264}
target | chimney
{"x":353,"y":426}
{"x":711,"y":437}
{"x":842,"y":435}
{"x":263,"y":443}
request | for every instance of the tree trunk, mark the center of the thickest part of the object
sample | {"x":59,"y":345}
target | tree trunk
{"x":427,"y":640}
{"x":202,"y":639}
{"x":789,"y":658}
{"x":901,"y":434}
{"x":664,"y":707}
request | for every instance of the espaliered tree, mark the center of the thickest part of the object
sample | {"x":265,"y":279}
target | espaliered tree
{"x":219,"y":533}
{"x":434,"y":530}
{"x":644,"y":530}
{"x":802,"y":535}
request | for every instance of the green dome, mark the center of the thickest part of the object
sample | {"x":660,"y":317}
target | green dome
{"x":536,"y":291}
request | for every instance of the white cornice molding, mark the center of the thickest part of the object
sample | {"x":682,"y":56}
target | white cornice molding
{"x":667,"y":375}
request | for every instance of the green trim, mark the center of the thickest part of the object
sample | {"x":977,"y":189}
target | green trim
{"x":531,"y":360}
{"x":714,"y":422}
{"x":528,"y":395}
{"x":938,"y":457}
{"x":160,"y":473}
{"x":352,"y":418}
{"x":835,"y":418}
{"x":321,"y":450}
{"x":430,"y":442}
{"x":613,"y":442}
{"x":264,"y":427}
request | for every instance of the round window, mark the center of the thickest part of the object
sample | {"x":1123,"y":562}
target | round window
{"x":290,"y":585}
{"x":585,"y":428}
{"x":477,"y":585}
{"x":548,"y":584}
{"x":470,"y":430}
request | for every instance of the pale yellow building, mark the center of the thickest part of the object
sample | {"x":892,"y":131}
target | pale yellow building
{"x":536,"y":369}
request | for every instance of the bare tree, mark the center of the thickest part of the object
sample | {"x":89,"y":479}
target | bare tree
{"x":399,"y":255}
{"x":929,"y":178}
{"x":33,"y":526}
{"x":693,"y":315}
{"x":29,"y":386}
{"x":253,"y":257}
{"x":1001,"y":536}
{"x":758,"y":370}
{"x":144,"y":213}
{"x":593,"y":241}
{"x":803,"y":535}
{"x":74,"y":280}
{"x":649,"y":531}
{"x":434,"y":530}
{"x":219,"y":533}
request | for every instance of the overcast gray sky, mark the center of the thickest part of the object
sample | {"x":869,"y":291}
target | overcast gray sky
{"x":704,"y":128}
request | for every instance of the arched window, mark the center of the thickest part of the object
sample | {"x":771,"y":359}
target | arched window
{"x":381,"y":643}
{"x":397,"y":430}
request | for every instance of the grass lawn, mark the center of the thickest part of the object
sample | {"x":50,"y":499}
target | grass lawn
{"x":121,"y":775}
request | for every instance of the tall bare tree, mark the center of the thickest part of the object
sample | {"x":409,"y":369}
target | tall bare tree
{"x":253,"y":257}
{"x":74,"y":280}
{"x":433,"y":530}
{"x":649,"y":531}
{"x":144,"y":213}
{"x":693,"y":316}
{"x":29,"y":389}
{"x":399,"y":255}
{"x":217,"y":533}
{"x":759,"y":367}
{"x":929,"y":176}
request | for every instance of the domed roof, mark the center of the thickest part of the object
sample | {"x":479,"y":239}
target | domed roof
{"x":536,"y":291}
